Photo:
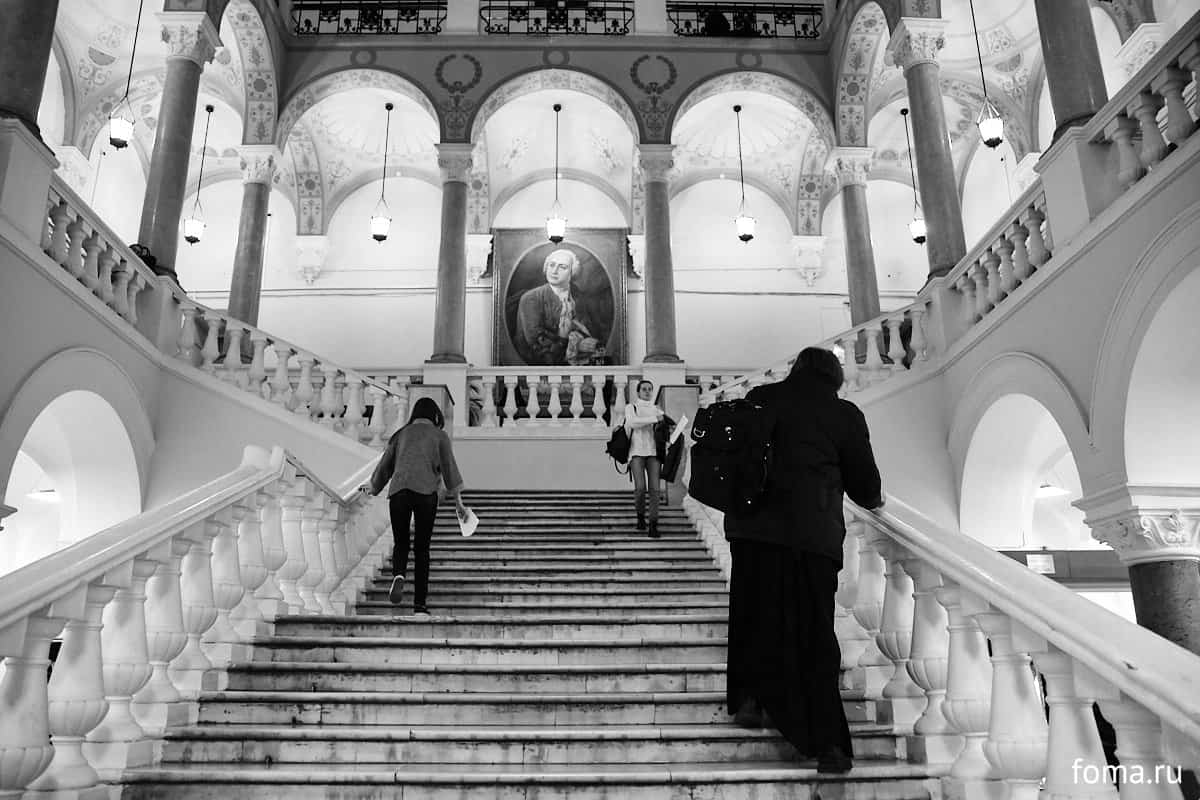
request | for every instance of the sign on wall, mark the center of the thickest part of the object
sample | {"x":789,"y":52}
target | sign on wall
{"x":559,"y":304}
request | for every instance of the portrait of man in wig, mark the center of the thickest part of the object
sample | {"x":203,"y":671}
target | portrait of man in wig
{"x":556,"y":323}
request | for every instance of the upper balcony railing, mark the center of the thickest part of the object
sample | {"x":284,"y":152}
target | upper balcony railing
{"x":316,"y":17}
{"x":596,"y":17}
{"x":752,"y":20}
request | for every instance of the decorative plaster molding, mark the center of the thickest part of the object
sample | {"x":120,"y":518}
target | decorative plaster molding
{"x":637,"y":253}
{"x":657,"y":161}
{"x":1141,"y":46}
{"x":73,"y":167}
{"x":455,"y":161}
{"x":916,"y":41}
{"x":479,"y":246}
{"x":809,"y":255}
{"x":852,"y":165}
{"x":259,"y":162}
{"x":311,"y":252}
{"x":190,"y":35}
{"x":1142,"y":536}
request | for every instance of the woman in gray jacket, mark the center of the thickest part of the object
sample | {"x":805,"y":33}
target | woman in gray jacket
{"x":417,"y":457}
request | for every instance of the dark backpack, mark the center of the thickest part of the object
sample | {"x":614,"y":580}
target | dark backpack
{"x":618,"y":447}
{"x":731,"y":456}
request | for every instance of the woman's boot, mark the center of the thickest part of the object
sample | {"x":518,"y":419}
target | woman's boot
{"x":654,"y":534}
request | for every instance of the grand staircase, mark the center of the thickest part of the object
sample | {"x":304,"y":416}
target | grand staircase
{"x":568,"y":655}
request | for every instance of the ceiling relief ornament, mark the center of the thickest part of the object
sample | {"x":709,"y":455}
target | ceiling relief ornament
{"x":513,"y":154}
{"x":310,"y":188}
{"x":916,"y":41}
{"x":257,"y":72}
{"x":812,"y":192}
{"x":654,"y":78}
{"x":792,"y":93}
{"x":561,"y":79}
{"x":1143,"y":536}
{"x":859,"y":65}
{"x":637,"y":199}
{"x":479,"y":193}
{"x":94,"y":70}
{"x":456,"y":79}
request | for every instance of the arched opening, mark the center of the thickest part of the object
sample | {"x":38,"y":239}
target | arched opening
{"x":75,"y":474}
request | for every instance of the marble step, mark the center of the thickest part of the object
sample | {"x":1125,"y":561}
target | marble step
{"x":377,"y":601}
{"x":387,"y":650}
{"x":749,"y":780}
{"x":602,"y":606}
{"x":649,"y":587}
{"x":570,"y":516}
{"x":312,"y":676}
{"x":531,"y":745}
{"x":647,"y":548}
{"x":536,"y":571}
{"x":546,"y":626}
{"x":483,"y":559}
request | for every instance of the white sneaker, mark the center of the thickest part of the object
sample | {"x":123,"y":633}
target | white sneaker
{"x":396,"y":590}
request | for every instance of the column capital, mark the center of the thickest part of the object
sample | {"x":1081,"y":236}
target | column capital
{"x":852,"y":165}
{"x":917,"y":40}
{"x":454,"y":158}
{"x":657,"y":161}
{"x":1145,"y":524}
{"x":808,"y":254}
{"x":479,"y":247}
{"x":259,"y":162}
{"x":311,"y":252}
{"x":190,"y":35}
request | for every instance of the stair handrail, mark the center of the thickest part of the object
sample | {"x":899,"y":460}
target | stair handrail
{"x":1156,"y":673}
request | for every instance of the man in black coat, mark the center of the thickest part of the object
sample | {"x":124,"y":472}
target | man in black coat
{"x":784,"y":659}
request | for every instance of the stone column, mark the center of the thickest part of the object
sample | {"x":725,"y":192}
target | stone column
{"x":1072,"y":61}
{"x":191,"y":40}
{"x":914,"y":49}
{"x":258,"y":168}
{"x":853,"y":165}
{"x":449,"y":316}
{"x":25,"y":43}
{"x":659,"y":281}
{"x":1160,"y":544}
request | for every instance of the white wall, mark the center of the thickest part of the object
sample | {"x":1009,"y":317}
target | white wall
{"x":703,"y":235}
{"x":583,"y":205}
{"x":988,"y":190}
{"x":900,"y":264}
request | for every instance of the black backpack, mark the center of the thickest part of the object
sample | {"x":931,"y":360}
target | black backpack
{"x":618,"y":447}
{"x":731,"y":456}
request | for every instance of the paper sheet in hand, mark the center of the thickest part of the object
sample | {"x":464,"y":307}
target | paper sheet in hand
{"x":683,"y":421}
{"x":468,"y":522}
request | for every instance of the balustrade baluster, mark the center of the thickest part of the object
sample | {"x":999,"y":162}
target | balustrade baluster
{"x":1140,"y":749}
{"x":1048,"y":229}
{"x":1018,"y":253}
{"x":576,"y":407}
{"x":868,"y":611}
{"x":1032,"y":219}
{"x":850,"y":367}
{"x":851,"y":636}
{"x":165,"y":638}
{"x":966,"y":288}
{"x":510,"y":401}
{"x":345,"y":593}
{"x":258,"y":362}
{"x":991,"y":263}
{"x":983,"y":302}
{"x":76,"y":697}
{"x":555,"y":404}
{"x":532,"y":405}
{"x":136,"y":285}
{"x":488,"y":420}
{"x":189,"y":353}
{"x":281,"y":383}
{"x":268,"y":596}
{"x":210,"y":351}
{"x":199,"y":609}
{"x":310,"y":519}
{"x":968,"y":702}
{"x":1120,"y":131}
{"x":89,"y":269}
{"x":1002,"y":250}
{"x":1144,"y":109}
{"x":1170,"y":84}
{"x":895,"y":344}
{"x":598,"y":400}
{"x":326,"y":529}
{"x":330,"y":402}
{"x":401,"y":391}
{"x":246,"y":617}
{"x":376,"y":427}
{"x":104,"y":284}
{"x":621,"y":382}
{"x":1017,"y":732}
{"x":873,"y":367}
{"x":232,"y":371}
{"x":918,"y":342}
{"x":1074,"y":743}
{"x":927,"y":665}
{"x":25,"y":749}
{"x":295,"y":563}
{"x":48,"y":223}
{"x":895,"y":633}
{"x":304,"y":393}
{"x":60,"y":218}
{"x":122,"y":274}
{"x":227,"y":586}
{"x":352,"y":421}
{"x":77,"y":234}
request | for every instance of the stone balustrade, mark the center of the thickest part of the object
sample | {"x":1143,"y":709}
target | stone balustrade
{"x":149,"y":607}
{"x":1149,"y":117}
{"x":577,"y":398}
{"x":308,"y":386}
{"x":78,"y":241}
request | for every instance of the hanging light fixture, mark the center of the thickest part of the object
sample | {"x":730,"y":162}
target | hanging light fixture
{"x":193,"y":226}
{"x":556,"y":223}
{"x":381,"y":220}
{"x":744,"y":223}
{"x":916,"y":228}
{"x":120,"y":119}
{"x":991,"y":126}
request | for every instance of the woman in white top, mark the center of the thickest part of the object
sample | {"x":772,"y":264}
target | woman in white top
{"x":640,"y":418}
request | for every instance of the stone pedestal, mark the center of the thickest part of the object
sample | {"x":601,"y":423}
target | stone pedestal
{"x":25,"y":169}
{"x":441,"y":394}
{"x":1080,"y":180}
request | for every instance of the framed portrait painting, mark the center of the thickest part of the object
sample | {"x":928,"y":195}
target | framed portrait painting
{"x":559,"y":304}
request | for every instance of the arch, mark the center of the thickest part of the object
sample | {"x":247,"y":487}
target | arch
{"x":759,"y":81}
{"x":333,"y":201}
{"x":860,"y":54}
{"x":576,"y":175}
{"x":698,"y":176}
{"x":1018,"y":398}
{"x":560,"y":78}
{"x":87,"y":371}
{"x":330,"y":83}
{"x":60,"y":53}
{"x":259,"y":82}
{"x":892,"y":12}
{"x":1172,"y":258}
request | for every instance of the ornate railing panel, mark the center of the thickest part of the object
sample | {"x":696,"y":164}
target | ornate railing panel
{"x":314,"y":17}
{"x":597,"y":17}
{"x":761,"y":20}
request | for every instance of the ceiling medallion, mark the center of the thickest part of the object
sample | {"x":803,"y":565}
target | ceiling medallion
{"x":555,"y":57}
{"x":747,"y":59}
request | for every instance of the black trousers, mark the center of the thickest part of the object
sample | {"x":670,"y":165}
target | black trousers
{"x":783,"y":650}
{"x":405,"y":506}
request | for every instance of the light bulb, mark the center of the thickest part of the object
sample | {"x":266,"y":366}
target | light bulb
{"x":193,"y":229}
{"x":917,"y":229}
{"x":745,"y":226}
